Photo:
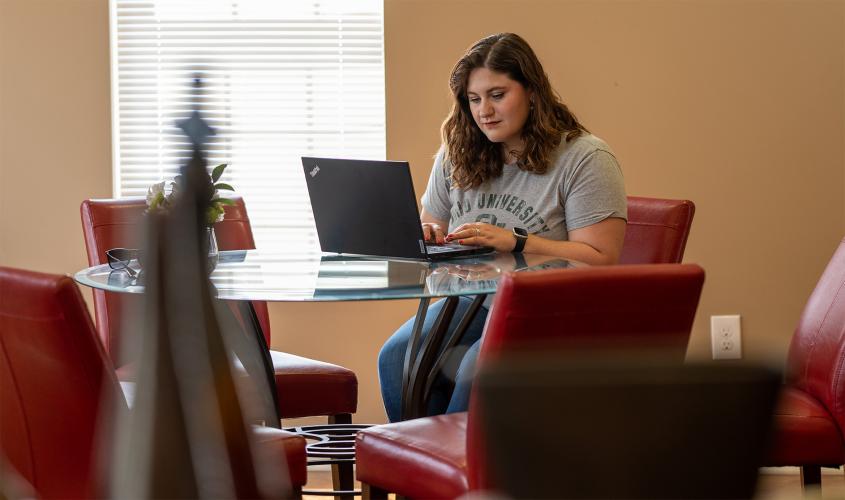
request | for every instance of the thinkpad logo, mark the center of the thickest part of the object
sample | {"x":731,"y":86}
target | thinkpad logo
{"x":315,"y":171}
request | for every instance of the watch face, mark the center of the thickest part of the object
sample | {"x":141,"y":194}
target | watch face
{"x":521,"y":236}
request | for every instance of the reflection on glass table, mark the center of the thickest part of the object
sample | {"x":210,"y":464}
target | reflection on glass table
{"x":255,"y":275}
{"x":482,"y":274}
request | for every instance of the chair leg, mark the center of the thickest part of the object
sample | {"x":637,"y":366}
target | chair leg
{"x":343,"y":475}
{"x":811,"y":475}
{"x":369,"y":492}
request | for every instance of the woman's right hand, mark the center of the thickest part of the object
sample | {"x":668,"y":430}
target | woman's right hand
{"x":433,"y":233}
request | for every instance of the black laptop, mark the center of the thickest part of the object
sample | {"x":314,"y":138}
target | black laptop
{"x":368,"y":207}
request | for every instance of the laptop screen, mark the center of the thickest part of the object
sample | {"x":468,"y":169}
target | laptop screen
{"x":368,"y":207}
{"x":364,"y":207}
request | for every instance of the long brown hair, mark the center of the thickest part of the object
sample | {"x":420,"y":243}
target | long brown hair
{"x":475,"y":158}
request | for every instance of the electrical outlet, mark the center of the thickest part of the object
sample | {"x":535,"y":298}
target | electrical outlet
{"x":725,"y":337}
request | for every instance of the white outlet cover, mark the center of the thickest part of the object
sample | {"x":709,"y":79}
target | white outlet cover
{"x":726,"y":337}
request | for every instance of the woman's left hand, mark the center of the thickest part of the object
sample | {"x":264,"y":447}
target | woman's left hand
{"x":483,"y":235}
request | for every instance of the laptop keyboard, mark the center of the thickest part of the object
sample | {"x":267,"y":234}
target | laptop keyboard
{"x":446,"y":247}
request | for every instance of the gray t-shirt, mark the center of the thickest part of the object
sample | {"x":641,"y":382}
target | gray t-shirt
{"x":583,"y":186}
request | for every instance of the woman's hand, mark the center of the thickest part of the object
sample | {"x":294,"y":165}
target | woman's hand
{"x":599,"y":243}
{"x":482,"y":234}
{"x":433,"y":233}
{"x":434,"y":229}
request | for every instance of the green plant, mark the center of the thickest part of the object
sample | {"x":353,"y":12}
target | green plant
{"x":161,"y":196}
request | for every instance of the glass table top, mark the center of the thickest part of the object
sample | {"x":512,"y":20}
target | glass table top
{"x":256,"y":275}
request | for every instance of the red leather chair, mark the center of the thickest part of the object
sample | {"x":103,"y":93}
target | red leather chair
{"x":54,"y":379}
{"x":657,"y":230}
{"x":809,"y":422}
{"x":603,"y":307}
{"x":306,"y":387}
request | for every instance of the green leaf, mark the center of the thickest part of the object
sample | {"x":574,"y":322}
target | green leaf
{"x":157,"y":201}
{"x":212,"y":214}
{"x":225,"y":201}
{"x":218,"y":172}
{"x":223,"y":185}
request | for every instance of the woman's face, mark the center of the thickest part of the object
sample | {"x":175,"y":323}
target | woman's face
{"x":499,"y":106}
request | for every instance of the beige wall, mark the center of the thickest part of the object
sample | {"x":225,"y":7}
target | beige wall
{"x":54,"y":127}
{"x":737,"y":105}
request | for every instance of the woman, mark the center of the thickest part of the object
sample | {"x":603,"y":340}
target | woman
{"x":519,"y":173}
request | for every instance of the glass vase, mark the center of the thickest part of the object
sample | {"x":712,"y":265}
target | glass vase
{"x":213,"y":251}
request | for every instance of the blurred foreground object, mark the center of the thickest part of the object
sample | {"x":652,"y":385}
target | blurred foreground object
{"x":12,"y":485}
{"x":187,"y":436}
{"x":809,"y":422}
{"x":587,"y":310}
{"x":553,"y":428}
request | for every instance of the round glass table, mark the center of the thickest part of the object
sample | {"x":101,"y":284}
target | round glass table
{"x":247,"y":275}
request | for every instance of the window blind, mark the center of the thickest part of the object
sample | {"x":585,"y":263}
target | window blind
{"x":281,"y":80}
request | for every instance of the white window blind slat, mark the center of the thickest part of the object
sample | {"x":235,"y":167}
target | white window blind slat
{"x":281,"y":80}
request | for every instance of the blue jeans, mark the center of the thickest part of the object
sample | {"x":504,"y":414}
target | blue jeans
{"x":461,"y":362}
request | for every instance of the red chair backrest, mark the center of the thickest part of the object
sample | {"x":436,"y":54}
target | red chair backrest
{"x":608,"y":308}
{"x":114,"y":223}
{"x":816,"y":360}
{"x":52,"y":371}
{"x":657,"y":230}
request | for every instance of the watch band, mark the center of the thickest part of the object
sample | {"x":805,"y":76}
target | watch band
{"x":521,"y":236}
{"x":519,"y":261}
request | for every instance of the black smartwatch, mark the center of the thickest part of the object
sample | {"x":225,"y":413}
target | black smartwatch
{"x":521,"y":235}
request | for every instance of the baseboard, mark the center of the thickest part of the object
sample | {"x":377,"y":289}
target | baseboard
{"x":763,"y":470}
{"x":796,"y":470}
